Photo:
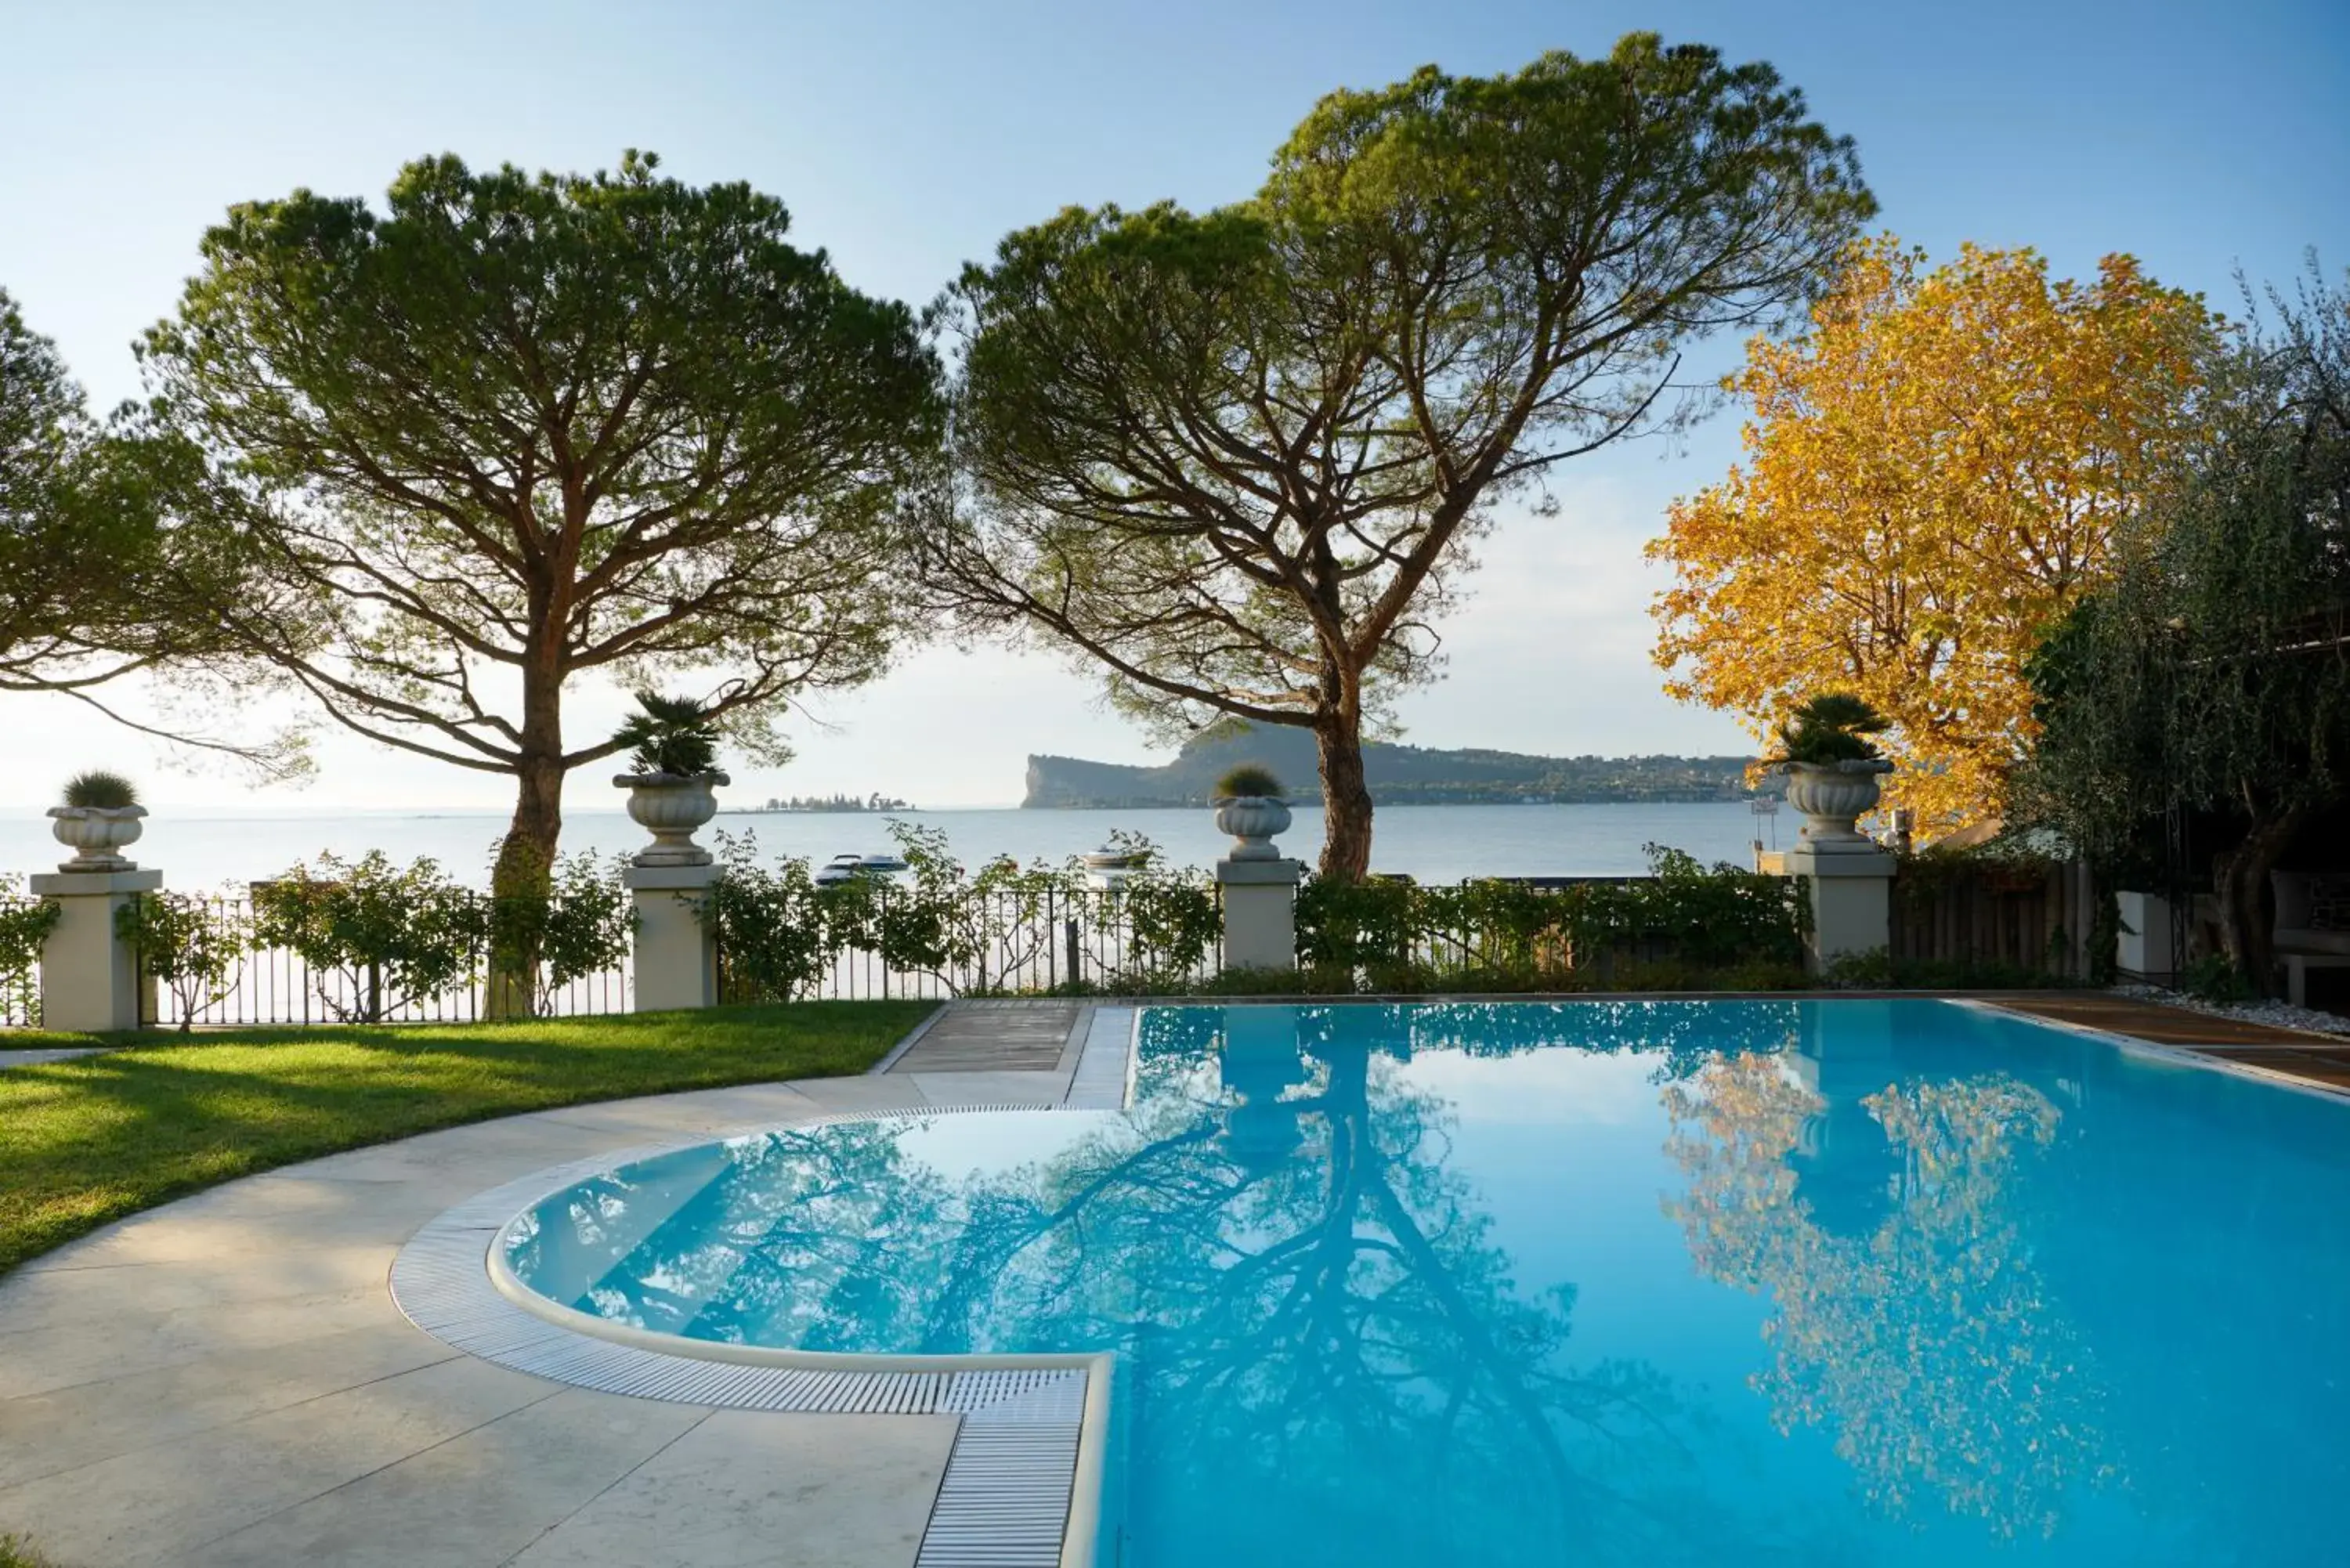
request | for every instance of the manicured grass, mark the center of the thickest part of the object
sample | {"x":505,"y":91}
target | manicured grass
{"x":90,"y":1140}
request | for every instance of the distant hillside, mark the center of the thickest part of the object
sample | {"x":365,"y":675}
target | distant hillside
{"x":1398,"y":775}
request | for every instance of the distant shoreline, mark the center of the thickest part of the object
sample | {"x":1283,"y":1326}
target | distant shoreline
{"x":1145,"y":802}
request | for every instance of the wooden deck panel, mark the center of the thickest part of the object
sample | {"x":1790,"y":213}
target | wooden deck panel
{"x":983,"y":1037}
{"x":2319,"y":1059}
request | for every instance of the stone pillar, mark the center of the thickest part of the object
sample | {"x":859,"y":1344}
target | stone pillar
{"x":676,"y":959}
{"x":90,"y":976}
{"x":2145,"y":950}
{"x":1851,"y":888}
{"x":1260,"y":912}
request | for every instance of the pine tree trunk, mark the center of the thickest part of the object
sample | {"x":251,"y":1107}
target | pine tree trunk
{"x":527,"y":855}
{"x":1346,"y":802}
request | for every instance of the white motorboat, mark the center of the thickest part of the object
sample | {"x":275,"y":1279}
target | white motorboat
{"x":847,"y":868}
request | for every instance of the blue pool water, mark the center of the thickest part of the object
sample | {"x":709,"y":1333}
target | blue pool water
{"x":1817,"y":1282}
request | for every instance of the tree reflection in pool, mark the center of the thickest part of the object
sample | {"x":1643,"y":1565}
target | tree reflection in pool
{"x":1838,"y":1282}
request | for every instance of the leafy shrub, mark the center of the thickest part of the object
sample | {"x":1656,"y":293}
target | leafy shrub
{"x":380,"y":940}
{"x":777,"y":932}
{"x":583,"y":925}
{"x":669,"y":735}
{"x":100,"y":788}
{"x":25,"y":925}
{"x":2214,"y":978}
{"x":1833,"y":727}
{"x":393,"y":937}
{"x":1173,"y":918}
{"x":987,"y":931}
{"x":194,"y":945}
{"x":1576,"y":936}
{"x":1248,"y":779}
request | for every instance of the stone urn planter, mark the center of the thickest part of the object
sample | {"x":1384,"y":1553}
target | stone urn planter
{"x":1253,"y":820}
{"x":94,"y":832}
{"x":671,"y":806}
{"x":1833,"y":797}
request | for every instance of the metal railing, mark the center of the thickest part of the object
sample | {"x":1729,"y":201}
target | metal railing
{"x":999,"y":943}
{"x":266,"y":984}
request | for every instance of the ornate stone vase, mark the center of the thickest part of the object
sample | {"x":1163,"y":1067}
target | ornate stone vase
{"x":671,"y":806}
{"x":94,"y":832}
{"x":1833,"y":797}
{"x":1253,"y":820}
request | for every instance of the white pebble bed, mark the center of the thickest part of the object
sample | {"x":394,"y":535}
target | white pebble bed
{"x":2275,"y":1014}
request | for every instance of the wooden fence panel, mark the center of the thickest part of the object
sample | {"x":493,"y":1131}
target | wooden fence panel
{"x":2030,"y":917}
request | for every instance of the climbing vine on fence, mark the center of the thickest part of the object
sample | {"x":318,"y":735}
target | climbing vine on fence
{"x":193,"y":946}
{"x":997,"y":927}
{"x":393,"y":936}
{"x":25,"y":925}
{"x":378,"y":939}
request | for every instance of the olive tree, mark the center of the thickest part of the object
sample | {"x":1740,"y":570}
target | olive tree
{"x":514,"y":430}
{"x":2213,"y":675}
{"x":1239,"y":459}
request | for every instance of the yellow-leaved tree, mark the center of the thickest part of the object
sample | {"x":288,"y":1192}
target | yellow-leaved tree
{"x":1933,"y":474}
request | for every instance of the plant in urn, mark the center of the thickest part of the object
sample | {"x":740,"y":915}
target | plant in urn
{"x":1249,"y":806}
{"x":101,"y":815}
{"x":1832,"y":768}
{"x":675,"y":755}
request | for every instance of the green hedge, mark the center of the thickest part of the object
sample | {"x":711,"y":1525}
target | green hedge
{"x":1684,"y":924}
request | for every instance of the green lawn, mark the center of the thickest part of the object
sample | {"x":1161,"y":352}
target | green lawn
{"x":87,"y":1141}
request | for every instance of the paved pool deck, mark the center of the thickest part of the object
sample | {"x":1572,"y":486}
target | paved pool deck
{"x":227,"y":1379}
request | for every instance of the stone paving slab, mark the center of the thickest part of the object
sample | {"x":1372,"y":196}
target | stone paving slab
{"x":36,"y":1058}
{"x":481,"y":1498}
{"x":752,"y":1488}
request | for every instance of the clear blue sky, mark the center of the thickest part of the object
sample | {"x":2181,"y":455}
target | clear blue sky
{"x":908,"y":138}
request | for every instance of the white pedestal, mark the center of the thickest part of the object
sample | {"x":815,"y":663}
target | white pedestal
{"x":1851,"y":901}
{"x":2144,"y":945}
{"x":1260,"y":912}
{"x":90,"y":976}
{"x":676,"y":963}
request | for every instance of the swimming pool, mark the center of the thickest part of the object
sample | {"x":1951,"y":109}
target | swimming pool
{"x":1807,"y":1281}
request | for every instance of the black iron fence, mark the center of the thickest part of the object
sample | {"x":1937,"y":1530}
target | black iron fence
{"x":208,"y":961}
{"x":880,"y":941}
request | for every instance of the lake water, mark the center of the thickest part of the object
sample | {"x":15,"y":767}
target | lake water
{"x":1433,"y":843}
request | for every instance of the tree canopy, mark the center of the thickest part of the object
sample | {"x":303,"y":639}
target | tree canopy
{"x":515,"y":429}
{"x":1239,"y":459}
{"x":2213,"y":673}
{"x":98,"y":580}
{"x":1933,"y":475}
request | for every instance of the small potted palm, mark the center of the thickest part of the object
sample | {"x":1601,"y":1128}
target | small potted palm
{"x":1832,"y":767}
{"x":101,"y":815}
{"x":1249,"y":806}
{"x":674,"y":750}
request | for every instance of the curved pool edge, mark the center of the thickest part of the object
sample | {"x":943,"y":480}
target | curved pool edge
{"x":1029,"y":1452}
{"x":504,"y":1279}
